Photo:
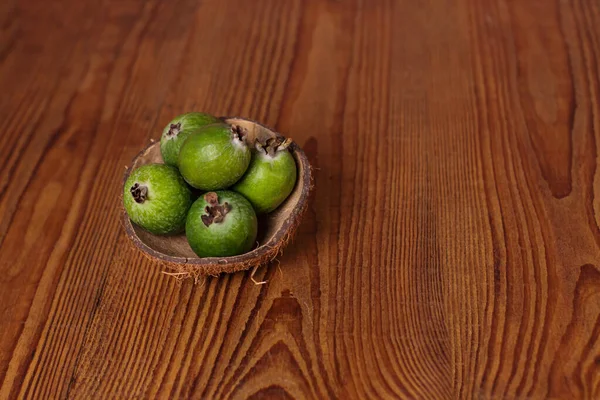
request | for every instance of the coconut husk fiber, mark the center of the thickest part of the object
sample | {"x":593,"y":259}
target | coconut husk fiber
{"x":275,"y":229}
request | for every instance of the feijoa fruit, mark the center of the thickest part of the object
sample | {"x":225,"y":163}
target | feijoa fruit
{"x":215,"y":156}
{"x":178,"y":130}
{"x":221,"y":224}
{"x":271,"y":176}
{"x":157,"y":198}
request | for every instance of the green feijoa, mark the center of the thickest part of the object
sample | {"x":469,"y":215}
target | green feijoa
{"x":157,"y":198}
{"x":271,"y":176}
{"x":178,"y":130}
{"x":215,"y":156}
{"x":221,"y":224}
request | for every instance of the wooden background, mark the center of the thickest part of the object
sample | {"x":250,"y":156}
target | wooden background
{"x":452,"y":245}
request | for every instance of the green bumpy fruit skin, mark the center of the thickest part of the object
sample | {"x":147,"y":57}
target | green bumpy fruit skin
{"x":168,"y":199}
{"x":234,"y":235}
{"x":268,"y":181}
{"x":170,"y":145}
{"x":210,"y":159}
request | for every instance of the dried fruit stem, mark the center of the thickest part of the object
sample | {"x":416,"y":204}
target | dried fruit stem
{"x":174,"y":129}
{"x":239,"y":132}
{"x":273,"y":145}
{"x":139,"y":192}
{"x":215,"y":212}
{"x":285,"y":144}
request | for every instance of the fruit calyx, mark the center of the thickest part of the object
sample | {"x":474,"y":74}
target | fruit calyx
{"x":139,"y":192}
{"x":215,"y":212}
{"x":239,"y":133}
{"x":174,"y":129}
{"x":273,"y":145}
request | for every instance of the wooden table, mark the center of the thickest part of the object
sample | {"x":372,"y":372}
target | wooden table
{"x":452,"y":244}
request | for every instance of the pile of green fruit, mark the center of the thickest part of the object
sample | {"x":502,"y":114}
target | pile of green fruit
{"x":237,"y":179}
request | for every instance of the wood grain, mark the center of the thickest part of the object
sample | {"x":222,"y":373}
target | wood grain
{"x":452,"y":244}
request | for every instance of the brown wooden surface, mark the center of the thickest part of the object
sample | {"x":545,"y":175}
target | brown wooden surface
{"x":452,"y":246}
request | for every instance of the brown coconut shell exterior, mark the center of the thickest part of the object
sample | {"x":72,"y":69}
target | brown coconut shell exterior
{"x":175,"y":254}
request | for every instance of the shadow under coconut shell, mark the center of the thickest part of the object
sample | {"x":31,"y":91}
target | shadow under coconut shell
{"x":275,"y":228}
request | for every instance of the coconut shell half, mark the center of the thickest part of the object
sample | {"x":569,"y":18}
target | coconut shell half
{"x":275,"y":229}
